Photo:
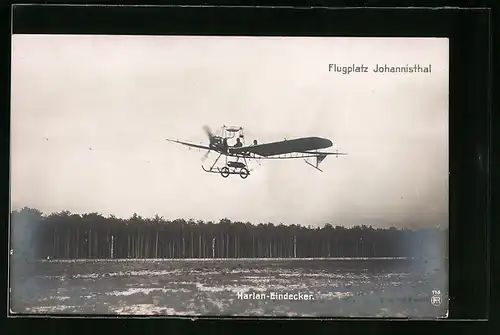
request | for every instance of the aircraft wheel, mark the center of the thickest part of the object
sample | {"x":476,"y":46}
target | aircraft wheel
{"x":244,"y":173}
{"x":224,"y":172}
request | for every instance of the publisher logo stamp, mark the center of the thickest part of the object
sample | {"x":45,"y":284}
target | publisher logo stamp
{"x":436,"y":298}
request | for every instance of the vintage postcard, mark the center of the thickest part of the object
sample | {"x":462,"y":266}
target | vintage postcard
{"x":229,"y":176}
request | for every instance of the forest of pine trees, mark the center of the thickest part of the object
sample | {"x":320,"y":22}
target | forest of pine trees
{"x":92,"y":236}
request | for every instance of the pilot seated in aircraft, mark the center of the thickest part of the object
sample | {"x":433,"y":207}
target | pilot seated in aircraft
{"x":238,"y":143}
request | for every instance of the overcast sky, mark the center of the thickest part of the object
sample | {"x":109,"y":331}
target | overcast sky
{"x":90,"y":115}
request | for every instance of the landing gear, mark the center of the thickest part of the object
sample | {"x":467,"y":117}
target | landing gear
{"x":224,"y":172}
{"x":244,"y":173}
{"x":231,"y":167}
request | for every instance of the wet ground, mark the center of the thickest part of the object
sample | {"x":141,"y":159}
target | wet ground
{"x":237,"y":287}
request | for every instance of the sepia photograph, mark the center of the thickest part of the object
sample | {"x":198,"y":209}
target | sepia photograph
{"x":229,"y":176}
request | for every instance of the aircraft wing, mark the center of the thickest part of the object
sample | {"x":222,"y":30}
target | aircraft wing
{"x":190,"y":144}
{"x":302,"y":145}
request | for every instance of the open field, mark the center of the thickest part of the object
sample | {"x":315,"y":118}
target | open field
{"x":337,"y":287}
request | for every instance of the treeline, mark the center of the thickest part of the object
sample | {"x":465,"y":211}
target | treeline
{"x":72,"y":236}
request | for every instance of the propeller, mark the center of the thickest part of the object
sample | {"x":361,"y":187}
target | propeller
{"x":210,"y":138}
{"x":209,"y":134}
{"x":205,"y":156}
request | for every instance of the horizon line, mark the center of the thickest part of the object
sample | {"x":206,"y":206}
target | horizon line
{"x":218,"y":221}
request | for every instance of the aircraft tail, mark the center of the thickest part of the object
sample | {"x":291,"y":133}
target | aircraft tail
{"x":319,"y":158}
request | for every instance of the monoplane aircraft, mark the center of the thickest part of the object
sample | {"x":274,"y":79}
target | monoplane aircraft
{"x":236,"y":155}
